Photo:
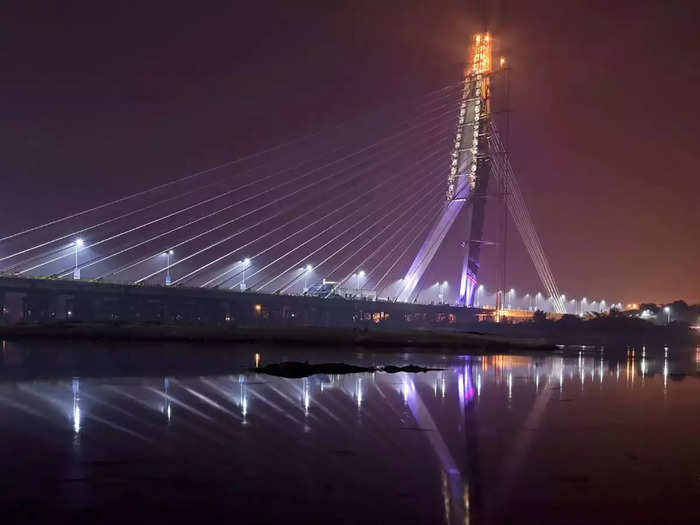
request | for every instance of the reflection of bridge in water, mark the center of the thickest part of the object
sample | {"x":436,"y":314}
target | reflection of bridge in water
{"x":438,"y":410}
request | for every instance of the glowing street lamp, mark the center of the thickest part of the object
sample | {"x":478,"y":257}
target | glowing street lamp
{"x":478,"y":292}
{"x":307,"y":271}
{"x":168,"y":254}
{"x":511,"y":294}
{"x":76,"y":271}
{"x":667,"y":309}
{"x":245,"y":262}
{"x":537,"y":299}
{"x":358,"y":276}
{"x":442,"y":287}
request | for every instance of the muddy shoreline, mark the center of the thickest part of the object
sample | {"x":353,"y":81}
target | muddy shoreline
{"x":311,"y":336}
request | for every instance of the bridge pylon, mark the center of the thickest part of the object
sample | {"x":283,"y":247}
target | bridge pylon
{"x":468,"y":179}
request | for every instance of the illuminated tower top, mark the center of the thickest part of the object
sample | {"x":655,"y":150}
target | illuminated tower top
{"x":481,"y":54}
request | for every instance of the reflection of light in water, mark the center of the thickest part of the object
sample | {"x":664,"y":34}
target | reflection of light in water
{"x":445,"y":495}
{"x":537,"y":382}
{"x":665,"y":374}
{"x":405,"y":388}
{"x":460,"y":387}
{"x":478,"y":385}
{"x":244,"y":397}
{"x":76,"y":405}
{"x":644,"y":367}
{"x":358,"y":392}
{"x":443,"y":385}
{"x":306,"y":395}
{"x":257,"y":360}
{"x":76,"y":417}
{"x":510,"y":386}
{"x":168,"y":411}
{"x":601,"y":370}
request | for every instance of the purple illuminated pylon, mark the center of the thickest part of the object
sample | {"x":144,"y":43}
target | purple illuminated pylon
{"x":467,"y":181}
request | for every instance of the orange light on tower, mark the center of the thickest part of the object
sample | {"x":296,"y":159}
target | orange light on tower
{"x":481,"y":54}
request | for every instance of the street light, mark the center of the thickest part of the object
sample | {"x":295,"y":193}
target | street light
{"x":76,"y":271}
{"x":307,"y":271}
{"x":358,"y":275}
{"x":167,"y":268}
{"x":511,"y":294}
{"x":478,"y":292}
{"x":537,"y":298}
{"x":245,"y":262}
{"x":668,"y":314}
{"x":441,"y":290}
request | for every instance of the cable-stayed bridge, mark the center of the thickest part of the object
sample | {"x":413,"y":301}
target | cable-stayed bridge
{"x":370,"y":209}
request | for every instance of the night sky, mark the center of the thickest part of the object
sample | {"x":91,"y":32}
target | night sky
{"x":102,"y":99}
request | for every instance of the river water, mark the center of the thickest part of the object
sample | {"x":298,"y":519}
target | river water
{"x":178,"y":433}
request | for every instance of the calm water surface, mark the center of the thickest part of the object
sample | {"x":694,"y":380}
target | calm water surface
{"x":98,"y":432}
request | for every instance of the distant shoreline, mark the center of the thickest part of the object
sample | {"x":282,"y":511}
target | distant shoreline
{"x":303,"y":335}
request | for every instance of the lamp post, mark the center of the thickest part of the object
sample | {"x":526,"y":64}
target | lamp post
{"x":358,"y":275}
{"x":511,"y":294}
{"x":167,"y":268}
{"x":668,"y":314}
{"x":245,"y":262}
{"x":307,"y":271}
{"x":478,"y":292}
{"x":76,"y":271}
{"x":529,"y":302}
{"x":441,"y":296}
{"x":537,"y":299}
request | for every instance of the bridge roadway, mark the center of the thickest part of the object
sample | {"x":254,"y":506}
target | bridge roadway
{"x":49,"y":300}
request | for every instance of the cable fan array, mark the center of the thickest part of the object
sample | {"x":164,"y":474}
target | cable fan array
{"x":358,"y":195}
